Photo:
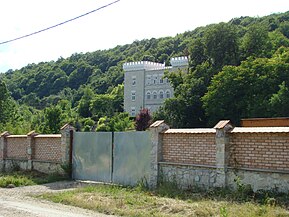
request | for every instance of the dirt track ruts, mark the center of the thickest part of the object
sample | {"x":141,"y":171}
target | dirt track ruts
{"x":16,"y":202}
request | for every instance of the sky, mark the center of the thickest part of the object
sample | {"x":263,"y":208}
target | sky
{"x":119,"y":24}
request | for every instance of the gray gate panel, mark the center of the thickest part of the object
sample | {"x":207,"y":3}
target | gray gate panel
{"x":131,"y":161}
{"x":91,"y":158}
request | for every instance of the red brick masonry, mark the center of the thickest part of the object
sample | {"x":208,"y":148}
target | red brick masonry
{"x":252,"y":148}
{"x":189,"y":148}
{"x":260,"y":150}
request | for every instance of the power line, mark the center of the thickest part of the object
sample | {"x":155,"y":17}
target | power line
{"x":59,"y":24}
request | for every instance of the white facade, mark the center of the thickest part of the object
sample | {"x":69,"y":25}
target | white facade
{"x":145,"y":86}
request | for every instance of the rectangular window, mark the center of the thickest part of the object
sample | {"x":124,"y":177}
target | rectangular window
{"x":148,"y":80}
{"x":133,"y":111}
{"x":155,"y":79}
{"x":161,"y":78}
{"x":133,"y":80}
{"x":133,"y":96}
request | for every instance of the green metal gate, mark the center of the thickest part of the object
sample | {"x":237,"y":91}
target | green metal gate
{"x":92,"y":156}
{"x":120,"y":157}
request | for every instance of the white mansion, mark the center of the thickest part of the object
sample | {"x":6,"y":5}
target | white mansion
{"x":145,"y":85}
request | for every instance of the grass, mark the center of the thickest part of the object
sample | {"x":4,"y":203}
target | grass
{"x":25,"y":178}
{"x":167,"y":200}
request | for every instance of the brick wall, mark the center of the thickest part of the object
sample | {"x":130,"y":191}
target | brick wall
{"x":17,"y":147}
{"x":189,"y":148}
{"x":251,"y":148}
{"x":259,"y":150}
{"x":45,"y":153}
{"x":44,"y":147}
{"x":259,"y":156}
{"x":47,"y":148}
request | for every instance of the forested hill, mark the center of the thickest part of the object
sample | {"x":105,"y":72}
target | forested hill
{"x":101,"y":70}
{"x":211,"y":49}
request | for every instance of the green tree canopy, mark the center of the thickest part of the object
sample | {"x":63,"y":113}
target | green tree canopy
{"x":253,"y":89}
{"x":7,"y":105}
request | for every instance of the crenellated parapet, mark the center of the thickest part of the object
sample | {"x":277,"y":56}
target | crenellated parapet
{"x":179,"y":61}
{"x":148,"y":65}
{"x":142,"y":65}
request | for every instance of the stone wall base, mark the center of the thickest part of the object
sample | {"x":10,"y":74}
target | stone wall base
{"x":48,"y":167}
{"x":259,"y":180}
{"x":10,"y":165}
{"x":2,"y":164}
{"x":190,"y":176}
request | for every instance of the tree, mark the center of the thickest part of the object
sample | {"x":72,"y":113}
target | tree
{"x":185,"y":109}
{"x":53,"y":119}
{"x":256,"y":88}
{"x":117,"y":123}
{"x":118,"y":93}
{"x":7,"y":105}
{"x":80,"y":75}
{"x":284,"y":28}
{"x":102,"y":105}
{"x":222,"y":46}
{"x":143,"y":120}
{"x":279,"y":101}
{"x":197,"y":53}
{"x":255,"y":42}
{"x":84,"y":109}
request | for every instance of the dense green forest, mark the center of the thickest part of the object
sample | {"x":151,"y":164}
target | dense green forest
{"x":238,"y":69}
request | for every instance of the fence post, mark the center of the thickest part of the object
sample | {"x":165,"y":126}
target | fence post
{"x":3,"y":149}
{"x":222,"y":151}
{"x":30,"y":149}
{"x":66,"y":147}
{"x":156,"y":153}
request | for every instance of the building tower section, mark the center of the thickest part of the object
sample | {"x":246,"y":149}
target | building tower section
{"x":145,"y":85}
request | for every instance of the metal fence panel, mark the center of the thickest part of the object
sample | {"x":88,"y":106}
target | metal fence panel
{"x":92,"y":156}
{"x":131,"y":162}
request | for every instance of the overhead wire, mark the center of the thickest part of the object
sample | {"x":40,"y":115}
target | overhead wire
{"x":59,"y":24}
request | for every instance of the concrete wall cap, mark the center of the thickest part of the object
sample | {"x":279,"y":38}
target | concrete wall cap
{"x":188,"y":131}
{"x":221,"y":124}
{"x":48,"y":136}
{"x":17,"y":136}
{"x":6,"y":133}
{"x":157,"y":123}
{"x":260,"y":130}
{"x":32,"y":133}
{"x":66,"y":126}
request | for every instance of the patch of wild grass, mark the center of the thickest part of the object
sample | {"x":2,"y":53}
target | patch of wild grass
{"x":25,"y":178}
{"x":166,"y":200}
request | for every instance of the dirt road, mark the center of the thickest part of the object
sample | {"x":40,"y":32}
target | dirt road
{"x":16,"y":202}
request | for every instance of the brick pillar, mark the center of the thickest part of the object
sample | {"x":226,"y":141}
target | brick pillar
{"x":30,"y":149}
{"x":66,"y":144}
{"x":3,"y":149}
{"x":156,"y":153}
{"x":222,"y":151}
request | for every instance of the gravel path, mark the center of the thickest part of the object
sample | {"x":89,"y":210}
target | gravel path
{"x":16,"y":202}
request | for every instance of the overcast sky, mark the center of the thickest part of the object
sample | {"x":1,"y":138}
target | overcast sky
{"x":119,"y":24}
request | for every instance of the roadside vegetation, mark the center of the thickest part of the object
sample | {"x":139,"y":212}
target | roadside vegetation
{"x":25,"y":178}
{"x":168,"y":200}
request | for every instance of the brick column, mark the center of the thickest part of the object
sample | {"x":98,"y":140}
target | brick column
{"x":66,"y":144}
{"x":156,"y":153}
{"x":30,"y":149}
{"x":3,"y":149}
{"x":222,"y":151}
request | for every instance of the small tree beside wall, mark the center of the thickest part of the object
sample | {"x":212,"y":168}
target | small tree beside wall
{"x":143,"y":120}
